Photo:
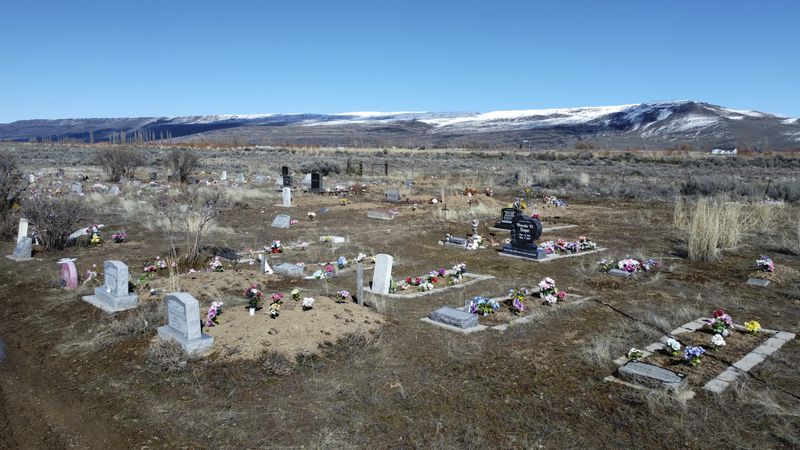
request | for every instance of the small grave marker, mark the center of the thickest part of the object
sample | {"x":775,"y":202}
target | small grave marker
{"x":23,"y":250}
{"x":380,"y":215}
{"x":114,"y":190}
{"x":652,"y":376}
{"x":265,"y":268}
{"x":454,"y":317}
{"x":760,"y":282}
{"x":113,"y":296}
{"x":620,"y":273}
{"x":289,"y":270}
{"x":223,"y":176}
{"x":281,"y":221}
{"x":393,"y":195}
{"x":76,"y":188}
{"x":183,"y":324}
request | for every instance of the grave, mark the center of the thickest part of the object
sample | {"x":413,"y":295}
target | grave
{"x":454,"y":241}
{"x":114,"y":190}
{"x":524,"y":232}
{"x":113,"y":296}
{"x":287,"y":197}
{"x":316,"y":182}
{"x":223,"y":176}
{"x":393,"y":195}
{"x":265,"y":268}
{"x":69,"y":273}
{"x":76,"y":188}
{"x":307,"y":180}
{"x":620,"y":273}
{"x":360,"y":283}
{"x":281,"y":221}
{"x":191,"y":179}
{"x":652,"y":376}
{"x":240,"y":178}
{"x":506,"y":218}
{"x":380,"y":215}
{"x":454,"y":317}
{"x":22,"y":229}
{"x":760,"y":282}
{"x":382,"y":277}
{"x":259,"y":179}
{"x":23,"y":250}
{"x":184,"y":324}
{"x":289,"y":270}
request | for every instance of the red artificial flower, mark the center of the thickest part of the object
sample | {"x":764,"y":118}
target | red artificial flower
{"x":719,"y":313}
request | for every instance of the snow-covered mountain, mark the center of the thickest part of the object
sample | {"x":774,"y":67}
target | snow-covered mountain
{"x":653,"y":125}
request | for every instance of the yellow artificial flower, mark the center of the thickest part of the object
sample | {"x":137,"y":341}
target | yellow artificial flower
{"x":752,"y":326}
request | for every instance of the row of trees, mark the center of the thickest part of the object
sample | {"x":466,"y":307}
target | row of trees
{"x":123,"y":162}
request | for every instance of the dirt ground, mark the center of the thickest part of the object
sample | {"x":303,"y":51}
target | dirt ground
{"x":398,"y":382}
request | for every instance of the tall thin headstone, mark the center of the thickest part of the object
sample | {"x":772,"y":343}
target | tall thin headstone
{"x":287,"y":197}
{"x":265,"y":268}
{"x":183,"y":324}
{"x":360,"y":283}
{"x":223,"y":176}
{"x":22,"y":231}
{"x":382,"y":277}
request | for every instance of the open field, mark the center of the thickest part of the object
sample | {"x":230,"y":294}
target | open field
{"x":343,"y":375}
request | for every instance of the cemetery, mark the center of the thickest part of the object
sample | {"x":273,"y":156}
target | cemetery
{"x":267,"y":284}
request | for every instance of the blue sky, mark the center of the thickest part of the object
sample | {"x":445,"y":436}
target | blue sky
{"x":108,"y":59}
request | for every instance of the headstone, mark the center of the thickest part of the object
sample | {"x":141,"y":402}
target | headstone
{"x":307,"y":179}
{"x":281,"y":221}
{"x":69,"y":274}
{"x":153,"y":176}
{"x":287,"y":181}
{"x":287,"y":197}
{"x":60,"y":173}
{"x":284,"y":171}
{"x":76,"y":188}
{"x":259,"y":179}
{"x":760,"y":282}
{"x":652,"y":376}
{"x":316,"y":182}
{"x":455,"y":241}
{"x":380,"y":215}
{"x":289,"y":270}
{"x":22,"y":230}
{"x":240,"y":178}
{"x":393,"y":195}
{"x":382,"y":276}
{"x":265,"y":268}
{"x":183,"y":324}
{"x":114,"y":190}
{"x":360,"y":283}
{"x":506,"y":217}
{"x":620,"y":273}
{"x":23,"y":250}
{"x":113,"y":296}
{"x":409,"y":182}
{"x":454,"y":317}
{"x":191,"y":179}
{"x":223,"y":176}
{"x":524,"y":232}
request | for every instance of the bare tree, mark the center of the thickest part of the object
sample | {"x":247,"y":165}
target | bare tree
{"x":119,"y":163}
{"x":181,"y":162}
{"x":54,"y":219}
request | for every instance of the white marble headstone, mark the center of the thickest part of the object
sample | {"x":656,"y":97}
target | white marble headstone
{"x":287,"y":197}
{"x":382,"y":277}
{"x":22,"y":231}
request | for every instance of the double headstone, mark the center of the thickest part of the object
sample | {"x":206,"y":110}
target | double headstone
{"x":113,"y":296}
{"x":506,"y":217}
{"x":316,"y":182}
{"x":287,"y":197}
{"x":524,"y":233}
{"x":184,"y":324}
{"x":382,"y":277}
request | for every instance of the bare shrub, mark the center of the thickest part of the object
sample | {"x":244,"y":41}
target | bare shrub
{"x":119,"y":162}
{"x":54,"y":219}
{"x":140,"y":322}
{"x":181,"y":162}
{"x":276,"y":363}
{"x":165,"y":356}
{"x":323,"y":166}
{"x":191,"y":211}
{"x":599,"y":352}
{"x":11,"y":186}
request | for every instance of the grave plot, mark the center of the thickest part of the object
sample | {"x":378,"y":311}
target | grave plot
{"x":766,"y":272}
{"x":518,"y":307}
{"x":434,"y":282}
{"x":707,"y":353}
{"x":628,"y":267}
{"x":524,"y":233}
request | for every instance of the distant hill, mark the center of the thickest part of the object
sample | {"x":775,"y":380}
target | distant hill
{"x":649,"y":125}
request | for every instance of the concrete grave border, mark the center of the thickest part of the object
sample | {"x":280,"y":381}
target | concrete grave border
{"x":554,"y":257}
{"x":476,"y":278}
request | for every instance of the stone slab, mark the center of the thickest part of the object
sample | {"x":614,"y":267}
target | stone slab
{"x":281,"y":221}
{"x":289,"y":270}
{"x":454,"y":317}
{"x":475,"y":278}
{"x":759,"y":282}
{"x":554,"y":257}
{"x":379,"y":215}
{"x":452,"y":328}
{"x":18,"y":259}
{"x":652,"y":376}
{"x":190,"y":346}
{"x":620,"y":273}
{"x":112,"y":304}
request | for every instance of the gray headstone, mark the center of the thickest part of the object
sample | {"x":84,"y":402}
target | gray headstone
{"x":281,"y":221}
{"x":287,"y":197}
{"x":77,"y":188}
{"x":240,"y":178}
{"x":360,"y":283}
{"x":183,"y":324}
{"x":22,"y":230}
{"x":620,"y":273}
{"x":382,"y":276}
{"x":380,"y":215}
{"x":289,"y":270}
{"x":307,"y":179}
{"x":24,"y":249}
{"x":60,"y":173}
{"x":454,"y":317}
{"x":760,"y":282}
{"x":651,"y":376}
{"x":113,"y":296}
{"x":393,"y":195}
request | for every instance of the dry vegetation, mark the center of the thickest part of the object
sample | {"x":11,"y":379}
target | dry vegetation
{"x":409,"y":384}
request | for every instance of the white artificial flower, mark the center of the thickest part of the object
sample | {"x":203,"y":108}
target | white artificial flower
{"x":673,"y":345}
{"x":717,"y":340}
{"x":308,"y":302}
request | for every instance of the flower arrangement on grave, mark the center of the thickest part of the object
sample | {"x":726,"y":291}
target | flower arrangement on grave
{"x":765,"y":263}
{"x":91,"y":274}
{"x":552,"y":200}
{"x":489,"y":192}
{"x":517,"y":296}
{"x":341,"y":262}
{"x":311,"y":215}
{"x":96,"y":239}
{"x":308,"y":303}
{"x":215,"y":265}
{"x":630,"y":265}
{"x":295,"y":294}
{"x":722,"y":323}
{"x":549,"y":292}
{"x":293,"y":222}
{"x":213,"y":312}
{"x":483,"y":306}
{"x":717,"y":341}
{"x":342,"y":296}
{"x":635,"y":354}
{"x":275,"y":306}
{"x":752,"y":327}
{"x":693,"y":354}
{"x":426,"y":286}
{"x":330,"y":271}
{"x":585,"y":244}
{"x":253,"y":296}
{"x":119,"y":237}
{"x":672,"y":346}
{"x":474,"y":242}
{"x":360,"y":258}
{"x":392,"y":287}
{"x":276,"y":247}
{"x":562,"y":246}
{"x":343,"y":201}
